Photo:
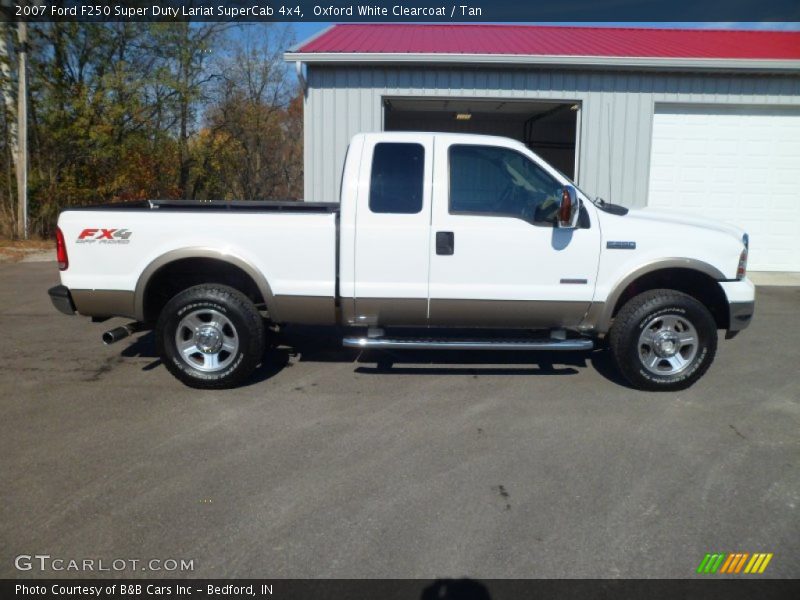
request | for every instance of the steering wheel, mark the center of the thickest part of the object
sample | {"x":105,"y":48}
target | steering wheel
{"x":546,"y":210}
{"x":530,"y":209}
{"x":504,"y":200}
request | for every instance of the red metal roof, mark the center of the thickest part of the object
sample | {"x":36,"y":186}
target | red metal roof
{"x":556,"y":41}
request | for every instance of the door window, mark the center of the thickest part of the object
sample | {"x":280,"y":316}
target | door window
{"x":397,"y":177}
{"x":494,"y":181}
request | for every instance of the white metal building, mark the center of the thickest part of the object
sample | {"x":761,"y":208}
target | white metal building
{"x":701,"y":121}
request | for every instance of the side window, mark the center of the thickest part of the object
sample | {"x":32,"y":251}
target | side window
{"x":489,"y":180}
{"x":397,"y":178}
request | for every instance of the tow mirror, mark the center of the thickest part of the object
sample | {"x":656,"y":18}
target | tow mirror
{"x":569,"y":209}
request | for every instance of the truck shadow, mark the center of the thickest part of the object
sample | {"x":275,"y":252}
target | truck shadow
{"x":316,"y":345}
{"x":305,"y":344}
{"x":456,"y":589}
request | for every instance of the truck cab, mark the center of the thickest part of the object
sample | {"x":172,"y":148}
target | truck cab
{"x":461,"y":231}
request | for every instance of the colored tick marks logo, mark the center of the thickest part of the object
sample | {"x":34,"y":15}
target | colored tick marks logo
{"x":734,"y":563}
{"x":104,"y":236}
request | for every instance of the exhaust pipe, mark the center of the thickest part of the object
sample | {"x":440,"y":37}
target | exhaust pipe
{"x":118,"y":333}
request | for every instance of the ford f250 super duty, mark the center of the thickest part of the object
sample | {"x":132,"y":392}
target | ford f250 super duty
{"x":438,"y":241}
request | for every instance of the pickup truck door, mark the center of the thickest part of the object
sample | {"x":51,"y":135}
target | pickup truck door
{"x":392,"y":233}
{"x":497,"y":258}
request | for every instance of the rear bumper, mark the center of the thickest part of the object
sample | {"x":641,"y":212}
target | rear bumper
{"x":100,"y":304}
{"x":61,"y":298}
{"x":741,"y":297}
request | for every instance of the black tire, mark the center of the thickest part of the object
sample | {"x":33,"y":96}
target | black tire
{"x":226,"y":329}
{"x":650,"y":340}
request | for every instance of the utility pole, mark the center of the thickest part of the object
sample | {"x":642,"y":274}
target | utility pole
{"x":18,"y":132}
{"x":22,"y":132}
{"x":7,"y":79}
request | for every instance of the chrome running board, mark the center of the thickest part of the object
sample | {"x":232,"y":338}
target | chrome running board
{"x":381,"y":343}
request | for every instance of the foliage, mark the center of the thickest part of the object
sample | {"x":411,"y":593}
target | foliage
{"x":121,"y":111}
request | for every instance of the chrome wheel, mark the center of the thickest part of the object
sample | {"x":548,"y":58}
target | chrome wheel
{"x":207,"y":340}
{"x":668,"y":345}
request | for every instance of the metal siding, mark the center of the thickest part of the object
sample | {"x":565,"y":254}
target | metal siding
{"x":616,"y":120}
{"x":526,"y":40}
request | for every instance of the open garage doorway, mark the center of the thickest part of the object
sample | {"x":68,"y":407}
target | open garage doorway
{"x":548,"y":128}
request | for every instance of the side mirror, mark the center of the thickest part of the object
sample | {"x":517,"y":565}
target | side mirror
{"x":569,"y":209}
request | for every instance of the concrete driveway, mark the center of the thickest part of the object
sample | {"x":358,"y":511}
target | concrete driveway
{"x":445,"y":465}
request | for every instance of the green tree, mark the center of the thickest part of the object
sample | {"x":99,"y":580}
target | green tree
{"x":121,"y":111}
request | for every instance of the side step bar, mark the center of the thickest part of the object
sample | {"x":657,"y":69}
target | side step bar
{"x":381,"y":343}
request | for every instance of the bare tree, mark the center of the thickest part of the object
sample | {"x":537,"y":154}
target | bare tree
{"x":250,"y":112}
{"x":185,"y":49}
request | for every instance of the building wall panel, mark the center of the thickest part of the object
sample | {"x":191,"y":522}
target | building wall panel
{"x":617,"y":110}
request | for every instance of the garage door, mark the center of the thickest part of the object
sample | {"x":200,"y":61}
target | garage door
{"x":738,"y":164}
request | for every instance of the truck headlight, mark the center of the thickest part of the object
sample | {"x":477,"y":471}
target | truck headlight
{"x":741,"y":270}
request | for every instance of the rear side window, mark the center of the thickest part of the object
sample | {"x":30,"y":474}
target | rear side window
{"x":396,"y":181}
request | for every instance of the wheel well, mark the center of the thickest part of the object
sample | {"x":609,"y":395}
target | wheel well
{"x":700,"y":286}
{"x":184,"y":273}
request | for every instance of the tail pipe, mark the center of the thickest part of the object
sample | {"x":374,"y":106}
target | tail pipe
{"x":118,"y":333}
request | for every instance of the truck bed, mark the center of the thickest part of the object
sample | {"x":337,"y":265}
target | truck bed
{"x":260,"y":206}
{"x":291,"y":246}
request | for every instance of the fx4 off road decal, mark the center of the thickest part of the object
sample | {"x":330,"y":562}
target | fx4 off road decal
{"x":98,"y":235}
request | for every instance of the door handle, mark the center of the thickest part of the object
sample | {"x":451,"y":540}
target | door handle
{"x":445,"y":243}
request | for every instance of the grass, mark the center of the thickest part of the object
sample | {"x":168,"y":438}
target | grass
{"x":16,"y":250}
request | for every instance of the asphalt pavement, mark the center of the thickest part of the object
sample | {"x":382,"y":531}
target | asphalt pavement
{"x":328,"y":464}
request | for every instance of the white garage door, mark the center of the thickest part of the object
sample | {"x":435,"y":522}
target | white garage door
{"x":738,"y":164}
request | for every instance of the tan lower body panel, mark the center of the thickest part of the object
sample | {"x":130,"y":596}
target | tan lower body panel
{"x":394,"y":312}
{"x":306,"y":310}
{"x":104,"y":303}
{"x":511,"y":314}
{"x":595,"y":320}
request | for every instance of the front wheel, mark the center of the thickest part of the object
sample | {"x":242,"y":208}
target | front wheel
{"x":663,"y":340}
{"x":210,"y":336}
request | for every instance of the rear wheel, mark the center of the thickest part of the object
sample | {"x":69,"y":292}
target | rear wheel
{"x":663,"y":340}
{"x":210,"y":336}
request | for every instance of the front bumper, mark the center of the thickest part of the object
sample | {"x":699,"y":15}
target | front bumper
{"x":62,"y":299}
{"x":741,"y":297}
{"x":741,"y":313}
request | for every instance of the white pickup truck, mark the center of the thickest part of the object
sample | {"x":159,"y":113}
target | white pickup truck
{"x":438,"y":241}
